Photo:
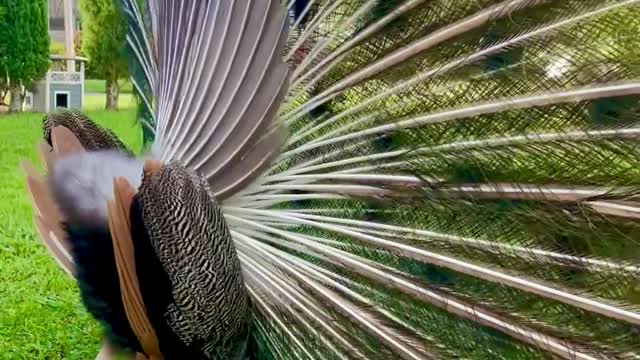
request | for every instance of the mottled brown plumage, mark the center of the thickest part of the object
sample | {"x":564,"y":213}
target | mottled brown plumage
{"x":178,"y":271}
{"x":188,"y":267}
{"x":91,"y":135}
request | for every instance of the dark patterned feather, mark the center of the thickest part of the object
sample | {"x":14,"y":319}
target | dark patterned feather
{"x":188,"y":268}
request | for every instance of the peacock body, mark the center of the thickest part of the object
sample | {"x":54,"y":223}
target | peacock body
{"x":368,"y":179}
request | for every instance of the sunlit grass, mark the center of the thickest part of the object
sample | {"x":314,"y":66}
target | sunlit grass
{"x":98,"y":86}
{"x":97,"y":102}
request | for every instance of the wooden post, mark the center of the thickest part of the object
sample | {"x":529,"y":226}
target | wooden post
{"x":69,"y":32}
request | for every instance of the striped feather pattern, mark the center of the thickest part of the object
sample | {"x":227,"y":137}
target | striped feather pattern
{"x":213,"y":83}
{"x":202,"y":299}
{"x":461,"y":170}
{"x":91,"y":136}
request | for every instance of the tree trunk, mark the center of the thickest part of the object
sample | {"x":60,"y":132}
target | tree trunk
{"x":17,"y":100}
{"x":3,"y":94}
{"x":113,"y":92}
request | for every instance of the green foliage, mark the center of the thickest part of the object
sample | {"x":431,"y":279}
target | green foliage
{"x":4,"y":82}
{"x":103,"y":38}
{"x":89,"y":68}
{"x":56,"y":48}
{"x":3,"y":30}
{"x":24,"y":44}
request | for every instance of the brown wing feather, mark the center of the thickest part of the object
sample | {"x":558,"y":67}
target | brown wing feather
{"x":55,"y":240}
{"x":47,"y":219}
{"x":91,"y":135}
{"x":46,"y":155}
{"x":64,"y":142}
{"x":151,"y":167}
{"x":108,"y":352}
{"x":120,"y":226}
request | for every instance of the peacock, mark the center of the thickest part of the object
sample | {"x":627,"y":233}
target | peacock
{"x":360,"y":179}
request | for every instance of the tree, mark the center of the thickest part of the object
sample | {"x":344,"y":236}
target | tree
{"x":4,"y":83}
{"x":24,"y":46}
{"x":103,"y":40}
{"x":4,"y":88}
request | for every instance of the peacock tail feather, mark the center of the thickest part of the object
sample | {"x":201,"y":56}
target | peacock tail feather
{"x":384,"y":179}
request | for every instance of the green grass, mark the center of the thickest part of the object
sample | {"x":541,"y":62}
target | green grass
{"x":98,"y":86}
{"x":97,"y":102}
{"x":41,"y":316}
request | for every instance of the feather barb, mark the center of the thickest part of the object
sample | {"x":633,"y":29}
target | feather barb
{"x":120,"y":226}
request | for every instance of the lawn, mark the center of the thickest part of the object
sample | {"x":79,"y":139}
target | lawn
{"x":41,"y":316}
{"x":98,"y":86}
{"x":96,"y":102}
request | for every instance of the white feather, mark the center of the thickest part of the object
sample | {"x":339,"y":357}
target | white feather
{"x":82,"y":184}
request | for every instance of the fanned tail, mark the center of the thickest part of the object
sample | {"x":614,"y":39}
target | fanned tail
{"x":460,"y":180}
{"x":211,"y":78}
{"x":142,"y":59}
